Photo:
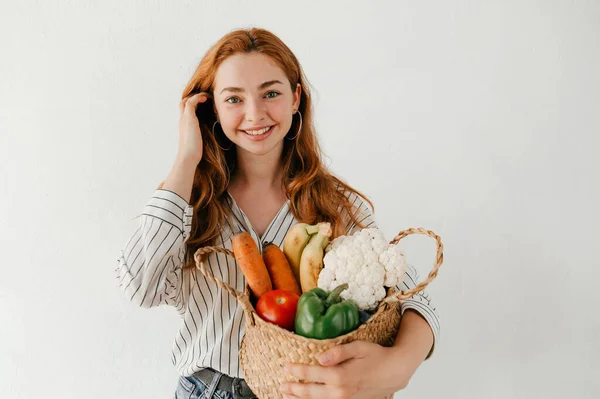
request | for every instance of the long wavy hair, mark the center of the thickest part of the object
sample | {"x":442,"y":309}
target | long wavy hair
{"x":315,"y":194}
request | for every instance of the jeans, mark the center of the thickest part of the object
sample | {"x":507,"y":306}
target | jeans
{"x":194,"y":388}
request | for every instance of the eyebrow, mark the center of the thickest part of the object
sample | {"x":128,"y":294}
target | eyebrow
{"x":261,"y":87}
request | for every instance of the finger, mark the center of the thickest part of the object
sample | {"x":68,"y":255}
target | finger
{"x":341,"y":353}
{"x":182,"y":105}
{"x":191,"y":102}
{"x":318,"y":374}
{"x":309,"y":391}
{"x":198,"y":98}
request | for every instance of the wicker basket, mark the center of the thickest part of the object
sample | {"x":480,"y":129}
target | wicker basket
{"x":266,"y":348}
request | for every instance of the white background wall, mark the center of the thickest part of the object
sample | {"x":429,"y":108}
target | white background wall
{"x":478,"y":120}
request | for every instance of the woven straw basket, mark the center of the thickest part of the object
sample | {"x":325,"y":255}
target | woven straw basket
{"x":266,"y":348}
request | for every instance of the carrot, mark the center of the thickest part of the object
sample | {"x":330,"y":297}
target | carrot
{"x":252,"y":264}
{"x":279,"y":269}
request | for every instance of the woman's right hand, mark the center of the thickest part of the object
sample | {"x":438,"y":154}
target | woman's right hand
{"x":190,"y":138}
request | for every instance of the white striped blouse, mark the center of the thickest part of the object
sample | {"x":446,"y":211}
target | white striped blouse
{"x":150,"y":272}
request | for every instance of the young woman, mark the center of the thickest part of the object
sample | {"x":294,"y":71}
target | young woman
{"x":248,"y":160}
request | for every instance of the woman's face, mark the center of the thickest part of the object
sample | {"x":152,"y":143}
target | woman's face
{"x":254,"y":102}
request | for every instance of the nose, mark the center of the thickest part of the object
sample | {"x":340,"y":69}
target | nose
{"x":255,"y":111}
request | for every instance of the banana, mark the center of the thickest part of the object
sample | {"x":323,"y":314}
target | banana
{"x":311,"y":261}
{"x":294,"y":243}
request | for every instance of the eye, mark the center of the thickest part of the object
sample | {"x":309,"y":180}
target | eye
{"x":232,"y":98}
{"x":272,"y":94}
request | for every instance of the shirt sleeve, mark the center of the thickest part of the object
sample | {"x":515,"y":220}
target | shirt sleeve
{"x":421,"y":301}
{"x":150,"y":268}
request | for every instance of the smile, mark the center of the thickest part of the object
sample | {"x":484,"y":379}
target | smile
{"x":259,"y":132}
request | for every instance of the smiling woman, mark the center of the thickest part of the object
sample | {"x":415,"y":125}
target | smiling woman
{"x":248,"y":161}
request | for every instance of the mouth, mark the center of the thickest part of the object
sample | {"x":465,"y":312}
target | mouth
{"x":259,"y":133}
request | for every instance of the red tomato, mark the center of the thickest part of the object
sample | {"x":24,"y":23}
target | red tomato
{"x":278,"y":307}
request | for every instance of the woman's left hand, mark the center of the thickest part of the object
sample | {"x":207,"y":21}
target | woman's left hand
{"x":356,"y":370}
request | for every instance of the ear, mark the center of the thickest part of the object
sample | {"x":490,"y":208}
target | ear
{"x":215,"y":111}
{"x":297,"y":97}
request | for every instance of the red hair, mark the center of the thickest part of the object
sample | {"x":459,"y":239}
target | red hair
{"x":315,"y":194}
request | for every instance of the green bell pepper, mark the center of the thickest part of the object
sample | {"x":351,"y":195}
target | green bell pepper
{"x":324,"y":315}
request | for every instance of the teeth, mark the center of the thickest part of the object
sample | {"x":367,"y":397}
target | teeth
{"x":257,"y":132}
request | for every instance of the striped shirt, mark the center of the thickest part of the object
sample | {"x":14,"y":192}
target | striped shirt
{"x":150,"y":272}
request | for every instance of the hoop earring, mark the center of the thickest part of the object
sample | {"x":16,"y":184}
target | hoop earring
{"x":215,"y":136}
{"x":299,"y":129}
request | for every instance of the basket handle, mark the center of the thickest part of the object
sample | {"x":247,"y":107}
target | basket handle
{"x":432,"y":275}
{"x":241,"y":297}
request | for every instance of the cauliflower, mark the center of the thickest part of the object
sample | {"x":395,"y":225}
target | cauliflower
{"x":366,"y":262}
{"x":395,"y":265}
